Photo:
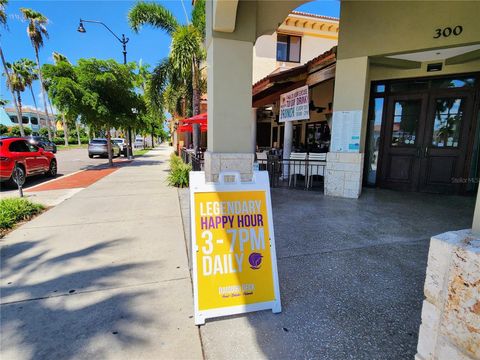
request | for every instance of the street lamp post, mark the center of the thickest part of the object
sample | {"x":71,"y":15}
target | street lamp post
{"x":123,"y":40}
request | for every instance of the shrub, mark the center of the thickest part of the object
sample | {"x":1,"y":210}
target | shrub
{"x":15,"y":130}
{"x":3,"y":129}
{"x":59,"y":141}
{"x":14,"y":210}
{"x":178,"y":172}
{"x":43,"y":132}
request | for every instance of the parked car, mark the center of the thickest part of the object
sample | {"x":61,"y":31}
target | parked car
{"x":99,"y":147}
{"x":122,"y":144}
{"x":138,"y":143}
{"x":42,"y":142}
{"x":28,"y":158}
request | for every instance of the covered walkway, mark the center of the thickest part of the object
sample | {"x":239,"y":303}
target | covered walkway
{"x":351,"y":277}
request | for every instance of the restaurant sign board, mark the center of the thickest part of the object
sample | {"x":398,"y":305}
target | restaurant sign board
{"x":294,"y":105}
{"x":233,"y":246}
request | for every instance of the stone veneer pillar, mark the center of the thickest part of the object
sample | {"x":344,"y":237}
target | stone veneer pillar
{"x":450,"y":326}
{"x":343,"y":175}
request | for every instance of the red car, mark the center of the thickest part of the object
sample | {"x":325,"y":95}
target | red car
{"x":30,"y":159}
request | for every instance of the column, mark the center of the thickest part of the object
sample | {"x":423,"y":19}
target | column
{"x":476,"y":217}
{"x":229,"y":85}
{"x":344,"y":170}
{"x":254,"y":130}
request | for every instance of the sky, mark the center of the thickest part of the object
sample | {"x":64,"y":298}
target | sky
{"x":149,"y":45}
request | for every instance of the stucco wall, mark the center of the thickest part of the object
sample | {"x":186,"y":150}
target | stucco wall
{"x":388,"y":27}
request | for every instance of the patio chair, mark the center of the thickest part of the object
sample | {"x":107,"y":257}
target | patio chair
{"x":299,"y":167}
{"x":262,"y":160}
{"x":317,"y":167}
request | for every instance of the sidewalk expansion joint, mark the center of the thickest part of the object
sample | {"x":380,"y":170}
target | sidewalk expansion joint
{"x":96,"y":290}
{"x":96,"y":222}
{"x":350,"y":249}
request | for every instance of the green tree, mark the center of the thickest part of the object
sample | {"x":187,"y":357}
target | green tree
{"x":109,"y":95}
{"x":36,"y":31}
{"x":3,"y":22}
{"x":64,"y":90}
{"x":180,"y":73}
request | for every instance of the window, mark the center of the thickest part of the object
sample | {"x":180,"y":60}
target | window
{"x":32,"y":148}
{"x":288,"y":48}
{"x":19,"y":146}
{"x":24,"y":119}
{"x":34,"y":120}
{"x":14,"y":119}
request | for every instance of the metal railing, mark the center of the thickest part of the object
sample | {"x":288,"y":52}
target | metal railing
{"x":195,"y":160}
{"x":305,"y":174}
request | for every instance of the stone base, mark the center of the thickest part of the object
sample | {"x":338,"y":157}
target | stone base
{"x":450,"y":326}
{"x":217,"y":162}
{"x":343,"y":177}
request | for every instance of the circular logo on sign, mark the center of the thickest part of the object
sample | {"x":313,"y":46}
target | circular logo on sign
{"x":255,"y":260}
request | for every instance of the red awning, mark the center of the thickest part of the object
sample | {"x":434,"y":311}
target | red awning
{"x":189,"y":128}
{"x":197,"y":119}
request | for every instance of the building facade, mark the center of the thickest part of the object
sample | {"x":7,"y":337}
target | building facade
{"x":30,"y":118}
{"x":299,"y":38}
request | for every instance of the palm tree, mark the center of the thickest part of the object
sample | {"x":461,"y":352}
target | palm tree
{"x":36,"y":31}
{"x":29,"y":72}
{"x":17,"y":84}
{"x":182,"y":68}
{"x":3,"y":22}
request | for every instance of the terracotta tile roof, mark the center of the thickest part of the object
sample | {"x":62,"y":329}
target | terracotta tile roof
{"x":276,"y":76}
{"x":301,"y":13}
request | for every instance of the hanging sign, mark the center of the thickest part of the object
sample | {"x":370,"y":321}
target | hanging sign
{"x":233,"y":246}
{"x":294,"y":105}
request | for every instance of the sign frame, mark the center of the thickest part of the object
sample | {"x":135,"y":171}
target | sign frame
{"x":260,"y":182}
{"x":305,"y":107}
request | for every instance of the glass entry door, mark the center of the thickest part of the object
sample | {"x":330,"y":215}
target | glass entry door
{"x":404,"y":129}
{"x":445,"y":142}
{"x":426,"y":140}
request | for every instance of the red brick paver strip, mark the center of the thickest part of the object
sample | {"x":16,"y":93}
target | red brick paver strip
{"x":79,"y":180}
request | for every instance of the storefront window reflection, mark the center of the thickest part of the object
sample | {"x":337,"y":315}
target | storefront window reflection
{"x":375,"y":128}
{"x":318,"y":137}
{"x":448,"y":118}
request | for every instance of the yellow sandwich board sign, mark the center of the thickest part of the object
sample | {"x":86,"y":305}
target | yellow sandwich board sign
{"x":233,"y":246}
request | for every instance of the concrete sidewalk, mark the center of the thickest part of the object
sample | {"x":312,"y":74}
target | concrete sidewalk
{"x":103,"y":275}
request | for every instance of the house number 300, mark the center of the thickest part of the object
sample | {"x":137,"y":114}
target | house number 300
{"x":446,"y":32}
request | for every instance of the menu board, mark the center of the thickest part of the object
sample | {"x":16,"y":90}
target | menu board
{"x":346,"y":131}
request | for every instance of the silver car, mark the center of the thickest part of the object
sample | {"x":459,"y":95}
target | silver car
{"x":99,"y":147}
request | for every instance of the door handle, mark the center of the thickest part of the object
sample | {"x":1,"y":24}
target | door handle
{"x":426,"y":152}
{"x":419,"y":152}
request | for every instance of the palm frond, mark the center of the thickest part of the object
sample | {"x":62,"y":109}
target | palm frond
{"x":158,"y":81}
{"x":3,"y":12}
{"x":185,"y":49}
{"x":198,"y":17}
{"x":153,"y":14}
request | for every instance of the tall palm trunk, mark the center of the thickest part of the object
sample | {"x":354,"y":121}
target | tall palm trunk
{"x":53,"y":115}
{"x":196,"y":105}
{"x":65,"y":129}
{"x":49,"y":123}
{"x":17,"y":107}
{"x":35,"y":104}
{"x":20,"y":122}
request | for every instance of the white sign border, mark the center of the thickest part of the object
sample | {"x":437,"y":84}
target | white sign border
{"x":260,"y":182}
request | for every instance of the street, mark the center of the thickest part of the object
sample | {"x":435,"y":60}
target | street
{"x":69,"y":162}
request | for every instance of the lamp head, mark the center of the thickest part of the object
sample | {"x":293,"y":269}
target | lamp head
{"x":80,"y":28}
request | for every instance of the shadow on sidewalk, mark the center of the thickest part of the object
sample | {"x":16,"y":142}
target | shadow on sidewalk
{"x":67,"y":316}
